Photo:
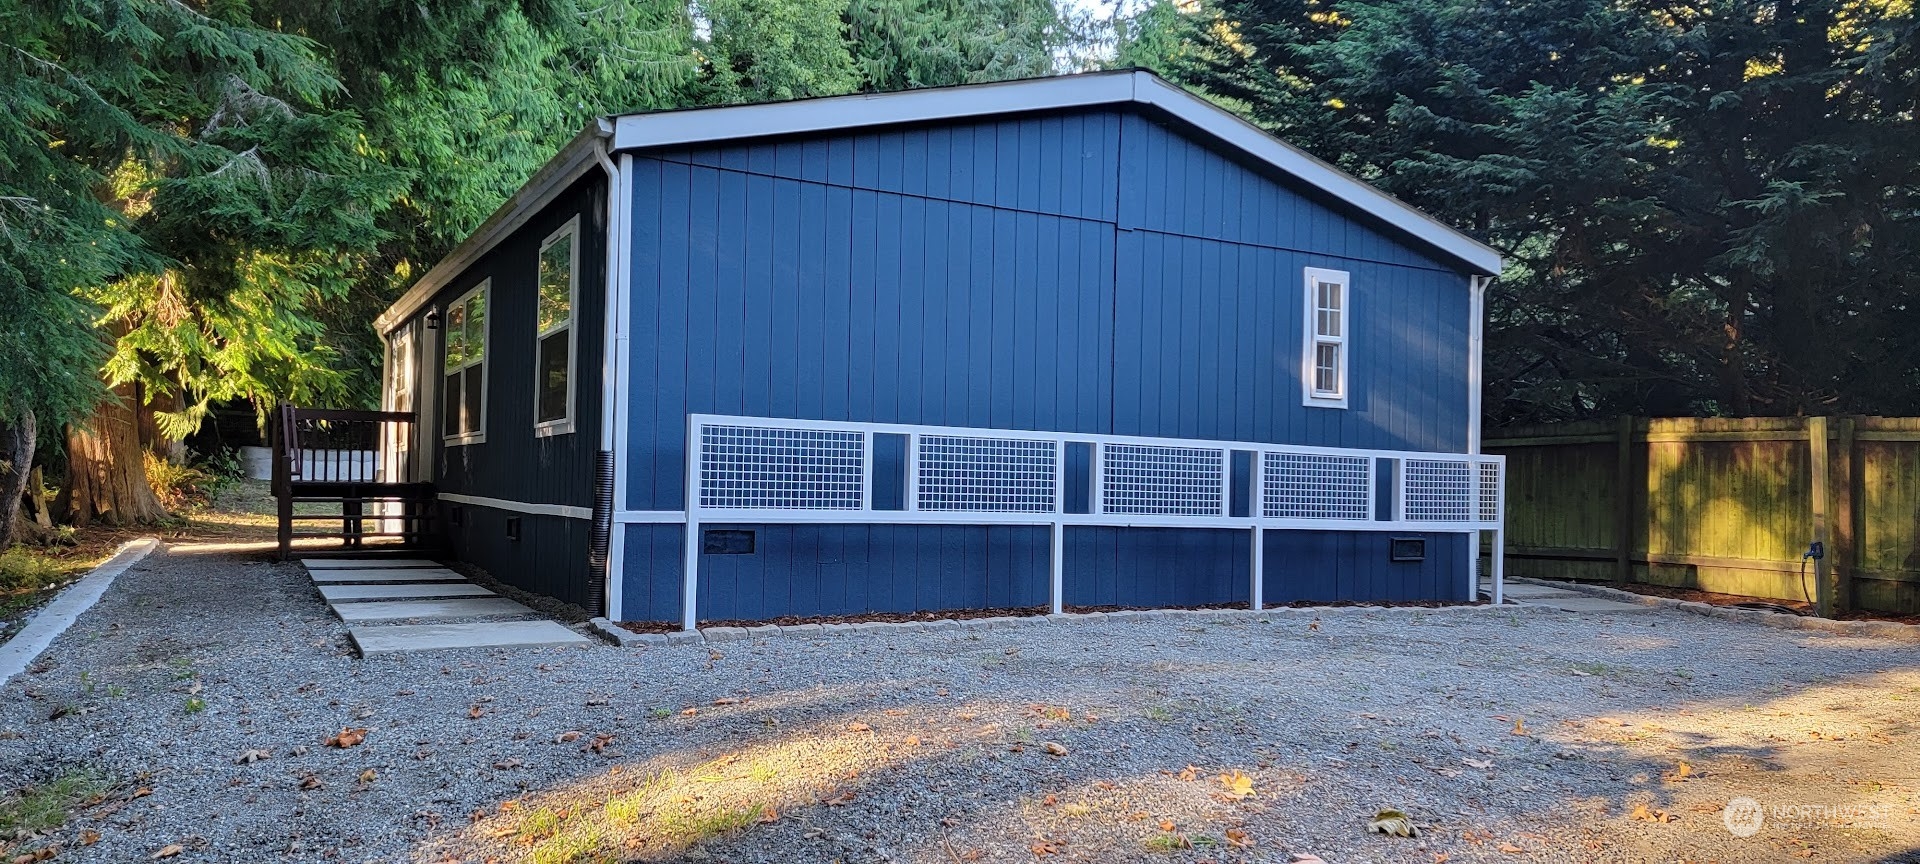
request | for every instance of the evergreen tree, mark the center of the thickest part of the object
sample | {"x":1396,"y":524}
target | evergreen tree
{"x":1706,"y":208}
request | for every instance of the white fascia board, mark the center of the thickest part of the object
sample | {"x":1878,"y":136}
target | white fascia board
{"x":572,"y":162}
{"x":1230,"y":129}
{"x":706,"y":125}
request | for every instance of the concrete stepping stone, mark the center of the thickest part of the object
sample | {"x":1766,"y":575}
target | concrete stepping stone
{"x":417,"y":574}
{"x":365,"y":563}
{"x":351,"y":593}
{"x":428,"y":610}
{"x":486,"y":634}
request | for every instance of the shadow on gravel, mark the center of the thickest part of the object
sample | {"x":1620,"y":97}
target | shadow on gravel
{"x":1148,"y":751}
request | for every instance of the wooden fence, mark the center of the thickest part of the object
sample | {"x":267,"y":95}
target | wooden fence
{"x":1726,"y":505}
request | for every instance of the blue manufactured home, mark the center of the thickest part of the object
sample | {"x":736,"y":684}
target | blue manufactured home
{"x":1068,"y":342}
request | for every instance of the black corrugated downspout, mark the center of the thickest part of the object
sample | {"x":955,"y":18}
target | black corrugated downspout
{"x":602,"y":530}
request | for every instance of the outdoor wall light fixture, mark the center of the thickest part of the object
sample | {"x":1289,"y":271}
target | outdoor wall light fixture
{"x":433,"y":318}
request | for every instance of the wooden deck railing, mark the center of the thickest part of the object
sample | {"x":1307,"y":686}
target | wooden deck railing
{"x":339,"y":461}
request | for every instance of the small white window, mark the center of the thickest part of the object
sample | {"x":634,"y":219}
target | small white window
{"x":463,"y":417}
{"x":553,"y":331}
{"x":1323,"y":371}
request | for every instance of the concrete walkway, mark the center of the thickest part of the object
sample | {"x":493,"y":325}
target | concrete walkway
{"x":1531,"y":594}
{"x":399,"y":605}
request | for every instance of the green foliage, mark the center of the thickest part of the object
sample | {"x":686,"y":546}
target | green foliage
{"x":1706,"y":209}
{"x":42,"y":808}
{"x":24,"y":570}
{"x":212,"y":200}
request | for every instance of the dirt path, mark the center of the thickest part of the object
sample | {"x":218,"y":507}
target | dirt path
{"x":1506,"y":736}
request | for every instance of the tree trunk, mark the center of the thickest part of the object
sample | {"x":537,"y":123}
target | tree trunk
{"x":106,"y":477}
{"x":17,"y":437}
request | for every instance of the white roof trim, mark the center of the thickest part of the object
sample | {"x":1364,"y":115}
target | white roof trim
{"x":572,"y":162}
{"x":706,"y":125}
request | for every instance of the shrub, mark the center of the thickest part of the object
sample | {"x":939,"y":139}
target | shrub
{"x":178,"y":487}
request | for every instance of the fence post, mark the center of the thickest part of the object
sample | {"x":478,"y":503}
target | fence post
{"x":1819,"y":488}
{"x":1845,"y":539}
{"x":1623,"y":503}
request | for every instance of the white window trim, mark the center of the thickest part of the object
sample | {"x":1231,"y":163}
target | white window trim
{"x":1310,"y":338}
{"x":478,"y":435}
{"x":564,"y":425}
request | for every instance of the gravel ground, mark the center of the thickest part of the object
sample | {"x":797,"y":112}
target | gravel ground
{"x":1505,"y":735}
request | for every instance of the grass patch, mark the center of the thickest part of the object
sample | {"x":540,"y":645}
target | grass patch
{"x":577,"y":844}
{"x":539,"y":825}
{"x":194,"y":705}
{"x":630,"y":806}
{"x":43,"y":808}
{"x":24,"y":571}
{"x":684,"y":828}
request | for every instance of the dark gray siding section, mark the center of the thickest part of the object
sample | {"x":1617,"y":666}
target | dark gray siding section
{"x":513,"y":464}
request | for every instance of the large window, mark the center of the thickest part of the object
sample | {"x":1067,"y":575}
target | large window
{"x":1323,"y":373}
{"x":464,"y":418}
{"x":553,"y":331}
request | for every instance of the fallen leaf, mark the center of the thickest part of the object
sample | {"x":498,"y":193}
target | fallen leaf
{"x":1043,"y":847}
{"x":368,"y":776}
{"x":1393,"y":823}
{"x":476,"y":712}
{"x":1511,"y":849}
{"x":857,"y":726}
{"x":1189,"y":772}
{"x":1520,"y":727}
{"x":689,"y":712}
{"x":1054,"y":748}
{"x":1238,"y":784}
{"x":142,"y":792}
{"x":89,"y":837}
{"x":567,"y":737}
{"x":1238,"y":838}
{"x":1050,"y":800}
{"x":1481,"y":764}
{"x":348,"y":737}
{"x":769,"y":815}
{"x":168,"y":851}
{"x":912,"y":741}
{"x":506,"y":764}
{"x":248,"y":757}
{"x":311,"y":781}
{"x":1166,"y":825}
{"x":726,"y":700}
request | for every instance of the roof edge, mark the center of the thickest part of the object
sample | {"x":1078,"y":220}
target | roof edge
{"x":572,"y":162}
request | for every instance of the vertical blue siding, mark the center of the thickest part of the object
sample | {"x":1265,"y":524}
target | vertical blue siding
{"x":1333,"y":566}
{"x":1156,"y":566}
{"x":1088,"y":272}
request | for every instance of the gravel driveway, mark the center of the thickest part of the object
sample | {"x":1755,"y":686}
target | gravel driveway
{"x":1505,"y":735}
